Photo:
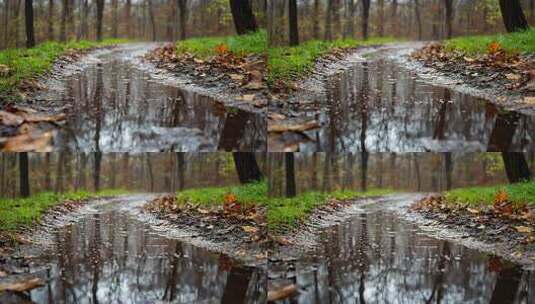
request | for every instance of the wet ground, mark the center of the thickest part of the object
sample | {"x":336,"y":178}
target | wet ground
{"x":107,"y":255}
{"x":377,"y":257}
{"x":379,"y":105}
{"x":115,"y":105}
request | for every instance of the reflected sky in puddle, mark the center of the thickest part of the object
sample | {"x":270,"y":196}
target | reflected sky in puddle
{"x":377,"y":106}
{"x":111,"y":258}
{"x":378,"y":258}
{"x":116,"y":107}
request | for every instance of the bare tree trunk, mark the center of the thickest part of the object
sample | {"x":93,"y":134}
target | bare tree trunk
{"x":182,"y":5}
{"x":381,"y":4}
{"x":290,"y":174}
{"x":294,"y":28}
{"x":100,"y":15}
{"x":513,"y":16}
{"x":24,"y":175}
{"x":418,"y":18}
{"x":314,"y":177}
{"x":96,"y":170}
{"x":115,"y":17}
{"x":152,"y":20}
{"x":50,"y":20}
{"x":516,"y":167}
{"x":5,"y":41}
{"x":449,"y":18}
{"x":247,"y":167}
{"x":127,"y":15}
{"x":242,"y":14}
{"x":365,"y":18}
{"x":63,"y":24}
{"x":28,"y":17}
{"x":316,"y":20}
{"x":329,"y":21}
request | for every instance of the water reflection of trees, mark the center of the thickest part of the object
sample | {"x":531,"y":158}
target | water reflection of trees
{"x":380,"y":107}
{"x":368,"y":261}
{"x":109,"y":258}
{"x":117,"y":108}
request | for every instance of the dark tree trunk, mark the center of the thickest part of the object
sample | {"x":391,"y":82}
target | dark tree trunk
{"x":242,"y":14}
{"x":294,"y":28}
{"x":449,"y":18}
{"x":50,"y":21}
{"x":516,"y":167}
{"x":180,"y":170}
{"x":48,"y":180}
{"x":365,"y":18}
{"x":96,"y":170}
{"x":290,"y":175}
{"x":236,"y":288}
{"x":24,"y":175}
{"x":127,"y":13}
{"x":448,"y":167}
{"x":100,"y":14}
{"x":316,"y":24}
{"x":247,"y":167}
{"x":28,"y":14}
{"x":381,"y":4}
{"x":364,"y":171}
{"x":152,"y":20}
{"x":183,"y":13}
{"x":115,"y":21}
{"x":418,"y":19}
{"x":513,"y":16}
{"x":63,"y":25}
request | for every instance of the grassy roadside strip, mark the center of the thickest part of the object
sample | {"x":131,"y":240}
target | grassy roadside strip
{"x":288,"y":212}
{"x":246,"y":195}
{"x":18,"y":65}
{"x":520,"y":193}
{"x":20,"y":212}
{"x":290,"y":63}
{"x":520,"y":42}
{"x":204,"y":47}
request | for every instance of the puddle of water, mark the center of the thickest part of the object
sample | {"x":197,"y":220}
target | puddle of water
{"x":378,"y":258}
{"x":109,"y":257}
{"x":116,"y":107}
{"x":378,"y":106}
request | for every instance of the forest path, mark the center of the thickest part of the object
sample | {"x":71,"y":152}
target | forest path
{"x":379,"y":254}
{"x":115,"y":101}
{"x":104,"y":253}
{"x":376,"y":100}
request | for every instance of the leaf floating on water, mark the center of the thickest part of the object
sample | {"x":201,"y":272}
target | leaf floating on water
{"x":22,"y":285}
{"x":293,"y":127}
{"x":282,"y":293}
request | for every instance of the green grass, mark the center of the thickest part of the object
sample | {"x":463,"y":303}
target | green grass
{"x":203,"y":47}
{"x":25,"y":64}
{"x":20,"y":212}
{"x":520,"y":193}
{"x":247,"y":194}
{"x":287,"y":212}
{"x":521,"y":42}
{"x":290,"y":63}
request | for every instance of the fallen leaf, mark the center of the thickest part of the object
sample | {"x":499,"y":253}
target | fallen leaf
{"x":523,"y":229}
{"x":513,"y":77}
{"x":529,"y":100}
{"x":247,"y":97}
{"x":236,"y":77}
{"x":293,"y":127}
{"x":469,"y":60}
{"x":255,"y":85}
{"x":473,"y":211}
{"x":10,"y":119}
{"x":21,"y":285}
{"x":281,"y":293}
{"x":249,"y":229}
{"x":197,"y":60}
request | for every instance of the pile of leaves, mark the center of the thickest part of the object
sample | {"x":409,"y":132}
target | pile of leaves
{"x":244,"y":73}
{"x":503,"y":220}
{"x":512,"y":71}
{"x":219,"y":220}
{"x":25,"y":129}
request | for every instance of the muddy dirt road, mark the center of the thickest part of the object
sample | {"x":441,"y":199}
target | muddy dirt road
{"x":115,"y":102}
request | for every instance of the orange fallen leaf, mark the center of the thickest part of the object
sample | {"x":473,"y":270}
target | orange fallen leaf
{"x":523,"y":229}
{"x":249,"y":229}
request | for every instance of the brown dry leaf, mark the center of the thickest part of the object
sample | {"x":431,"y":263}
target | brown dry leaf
{"x":523,"y":229}
{"x":28,"y":142}
{"x":247,"y":97}
{"x":282,"y":241}
{"x":249,"y":229}
{"x":513,"y":77}
{"x":10,"y":119}
{"x":4,"y":70}
{"x":473,"y":211}
{"x":281,"y":293}
{"x":290,"y":127}
{"x":22,"y":285}
{"x":203,"y":211}
{"x":469,"y":60}
{"x":236,"y":77}
{"x":529,"y":100}
{"x":197,"y":60}
{"x":255,"y":85}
